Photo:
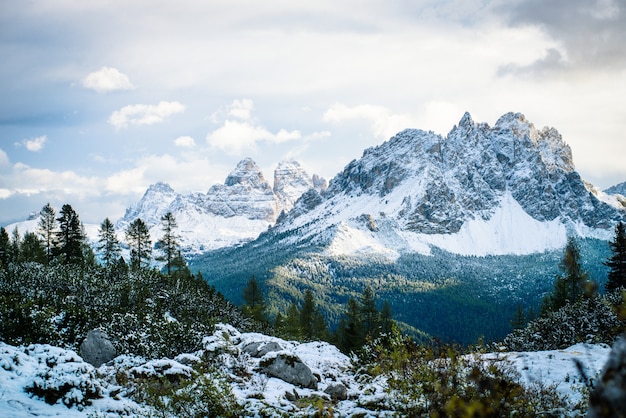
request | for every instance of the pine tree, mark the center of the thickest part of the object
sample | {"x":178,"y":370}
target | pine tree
{"x":32,"y":249}
{"x":15,"y":245}
{"x":168,"y":244}
{"x":617,"y":260}
{"x":570,"y":286}
{"x":292,"y":322}
{"x":138,"y":237}
{"x":69,"y":239}
{"x":5,"y":248}
{"x":46,"y":229}
{"x":386,"y":319}
{"x":519,"y":320}
{"x":351,"y":336}
{"x":108,"y":244}
{"x":369,"y":314}
{"x":307,"y":314}
{"x":254,"y":302}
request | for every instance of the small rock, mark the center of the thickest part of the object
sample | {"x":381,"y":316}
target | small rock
{"x":259,"y":349}
{"x":292,"y":396}
{"x":337,"y":391}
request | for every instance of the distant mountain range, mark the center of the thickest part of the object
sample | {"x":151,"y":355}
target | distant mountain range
{"x":506,"y":189}
{"x":409,"y":219}
{"x":228,"y":214}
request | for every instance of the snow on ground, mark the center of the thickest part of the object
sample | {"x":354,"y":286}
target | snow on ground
{"x":558,"y":367}
{"x":83,"y":390}
{"x":510,"y":230}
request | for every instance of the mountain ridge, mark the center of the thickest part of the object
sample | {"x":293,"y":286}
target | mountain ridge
{"x":432,"y":190}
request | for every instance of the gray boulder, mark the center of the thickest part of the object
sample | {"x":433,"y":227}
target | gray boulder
{"x":97,"y":348}
{"x":259,"y":349}
{"x":289,"y":368}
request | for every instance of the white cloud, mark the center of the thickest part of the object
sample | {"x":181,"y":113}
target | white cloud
{"x":27,"y":180}
{"x":183,"y":174}
{"x":245,"y":132}
{"x":35,"y":144}
{"x":383,"y":123}
{"x":241,"y":108}
{"x":185,"y":142}
{"x":235,"y":136}
{"x":141,"y":114}
{"x":107,"y":79}
{"x":5,"y":194}
{"x":126,"y":182}
{"x":4,"y":159}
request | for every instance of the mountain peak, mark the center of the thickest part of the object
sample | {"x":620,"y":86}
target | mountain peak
{"x":159,"y":187}
{"x":466,"y":120}
{"x":247,"y":173}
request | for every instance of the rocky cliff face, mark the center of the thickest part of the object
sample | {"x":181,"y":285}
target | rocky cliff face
{"x":244,"y":193}
{"x":228,"y":214}
{"x":291,"y":182}
{"x":422,"y":183}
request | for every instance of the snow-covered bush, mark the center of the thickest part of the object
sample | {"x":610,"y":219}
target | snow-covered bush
{"x":66,"y":378}
{"x":590,"y":320}
{"x":175,"y":389}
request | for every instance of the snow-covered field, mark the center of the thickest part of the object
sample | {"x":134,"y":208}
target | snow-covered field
{"x":81,"y":390}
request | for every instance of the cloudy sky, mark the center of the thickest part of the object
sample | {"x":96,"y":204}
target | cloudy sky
{"x":102,"y":98}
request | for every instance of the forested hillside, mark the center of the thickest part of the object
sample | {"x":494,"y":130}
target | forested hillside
{"x":451,"y":297}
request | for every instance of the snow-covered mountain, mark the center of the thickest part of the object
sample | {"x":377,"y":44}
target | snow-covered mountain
{"x":506,"y":189}
{"x":228,"y":214}
{"x":617,"y":189}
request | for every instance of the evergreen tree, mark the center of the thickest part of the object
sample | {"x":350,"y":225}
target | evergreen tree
{"x":5,"y":248}
{"x":369,"y":314}
{"x":168,"y":244}
{"x":279,"y":323}
{"x":351,"y":336}
{"x":254,"y":302}
{"x":307,"y":314}
{"x":89,"y":257}
{"x":179,"y":265}
{"x":138,"y":237}
{"x":15,"y":245}
{"x":570,"y":286}
{"x":519,"y":320}
{"x":319,"y":328}
{"x":32,"y":249}
{"x":386,"y":319}
{"x":617,"y":260}
{"x":46,"y":229}
{"x":108,"y":244}
{"x":70,"y":237}
{"x":292,"y":322}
